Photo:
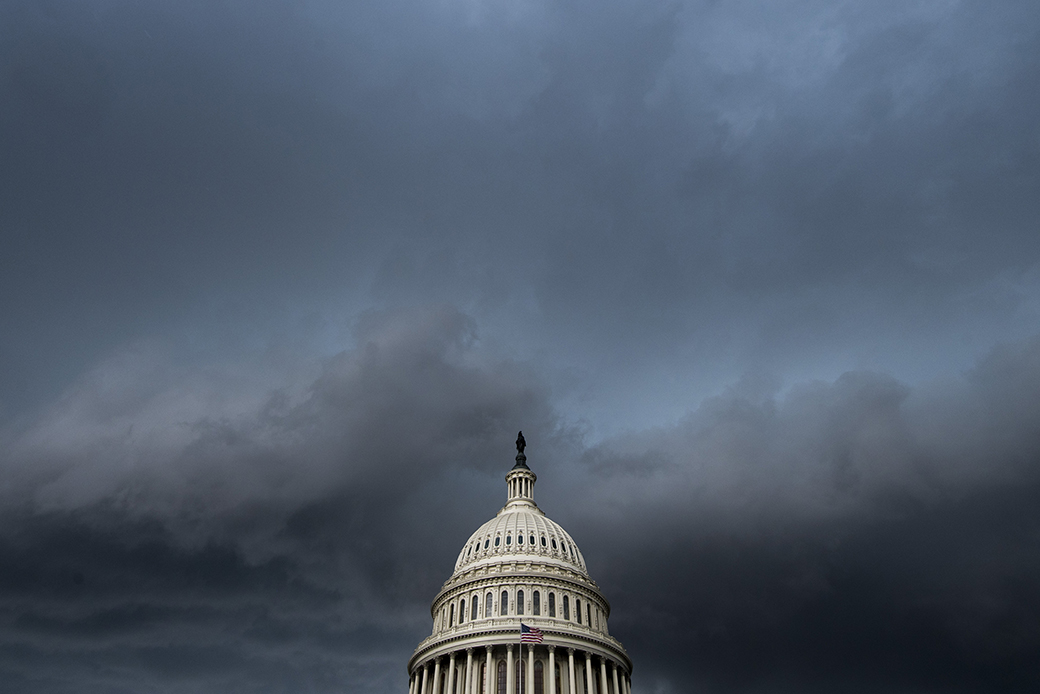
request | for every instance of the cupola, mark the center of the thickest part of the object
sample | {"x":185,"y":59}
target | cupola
{"x":520,"y":484}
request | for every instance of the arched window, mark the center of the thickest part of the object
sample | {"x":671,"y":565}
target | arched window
{"x":539,"y":678}
{"x":462,"y":610}
{"x":553,"y":541}
{"x":566,"y":608}
{"x":503,"y":607}
{"x":509,"y":539}
{"x":552,"y":604}
{"x":531,"y":539}
{"x":588,"y":615}
{"x":501,"y":677}
{"x":475,"y":611}
{"x":543,"y":540}
{"x":451,"y":620}
{"x":487,"y":605}
{"x":577,"y":611}
{"x":520,"y":675}
{"x":519,"y":602}
{"x":486,"y":543}
{"x":537,"y":603}
{"x":497,"y":540}
{"x":519,"y":539}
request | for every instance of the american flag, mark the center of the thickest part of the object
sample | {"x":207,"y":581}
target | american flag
{"x":530,"y":634}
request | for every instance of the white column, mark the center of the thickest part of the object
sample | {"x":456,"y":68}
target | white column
{"x":451,"y":674}
{"x":572,"y":682}
{"x":603,"y":675}
{"x":552,"y":670}
{"x":425,"y":676}
{"x":467,"y":687}
{"x":510,"y":675}
{"x":437,"y":676}
{"x":588,"y":674}
{"x":530,"y":669}
{"x":613,"y":671}
{"x":487,"y":673}
{"x":411,"y":684}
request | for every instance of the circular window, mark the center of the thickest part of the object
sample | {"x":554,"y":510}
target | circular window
{"x":497,"y":540}
{"x":509,"y":539}
{"x":543,"y":540}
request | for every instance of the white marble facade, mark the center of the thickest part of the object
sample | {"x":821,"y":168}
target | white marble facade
{"x":520,"y":566}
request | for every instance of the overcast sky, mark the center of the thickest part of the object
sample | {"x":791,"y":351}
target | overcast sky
{"x":281,"y":279}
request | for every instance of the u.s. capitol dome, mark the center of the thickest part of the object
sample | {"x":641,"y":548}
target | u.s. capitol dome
{"x":520,"y":567}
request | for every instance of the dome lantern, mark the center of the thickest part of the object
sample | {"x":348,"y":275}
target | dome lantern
{"x":520,"y":484}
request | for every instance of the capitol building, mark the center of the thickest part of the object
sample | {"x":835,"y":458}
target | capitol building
{"x":520,"y":572}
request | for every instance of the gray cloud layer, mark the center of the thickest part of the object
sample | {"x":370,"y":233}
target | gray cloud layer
{"x":646,"y":186}
{"x":854,"y":533}
{"x":280,"y":280}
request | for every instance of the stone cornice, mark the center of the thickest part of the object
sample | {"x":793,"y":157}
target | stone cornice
{"x":571,"y":582}
{"x":507,"y":632}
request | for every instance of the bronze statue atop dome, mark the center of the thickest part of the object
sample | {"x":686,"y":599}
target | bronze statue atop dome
{"x":521,"y":444}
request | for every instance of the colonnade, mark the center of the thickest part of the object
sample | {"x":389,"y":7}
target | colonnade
{"x":610,"y":677}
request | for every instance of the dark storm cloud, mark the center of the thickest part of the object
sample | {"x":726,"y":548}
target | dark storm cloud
{"x":224,"y":440}
{"x":758,"y":187}
{"x":192,"y":535}
{"x":155,"y":433}
{"x":858,"y":535}
{"x":94,"y":601}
